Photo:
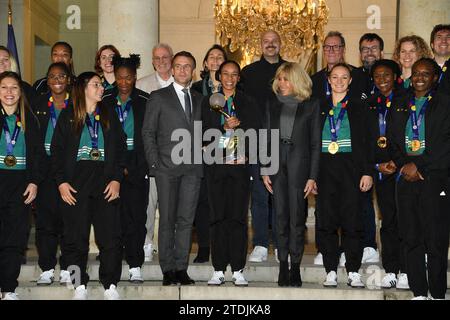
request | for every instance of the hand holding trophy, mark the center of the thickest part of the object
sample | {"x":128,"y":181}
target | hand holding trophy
{"x":229,"y":141}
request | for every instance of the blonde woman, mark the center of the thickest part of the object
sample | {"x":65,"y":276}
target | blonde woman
{"x":297,"y":117}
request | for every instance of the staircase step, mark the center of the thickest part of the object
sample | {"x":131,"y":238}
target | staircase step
{"x":152,"y":290}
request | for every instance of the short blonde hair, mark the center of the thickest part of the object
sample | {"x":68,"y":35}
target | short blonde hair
{"x":298,"y":77}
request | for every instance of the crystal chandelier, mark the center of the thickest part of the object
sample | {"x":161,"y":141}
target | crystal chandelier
{"x":300,"y":23}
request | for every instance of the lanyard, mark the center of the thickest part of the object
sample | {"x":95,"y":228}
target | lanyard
{"x":327,"y":86}
{"x":383,"y":109}
{"x":93,"y":129}
{"x":230,"y":108}
{"x":51,"y":105}
{"x":336,"y":126}
{"x":123,"y":114}
{"x":416,"y":121}
{"x":11,"y":141}
{"x":444,"y":69}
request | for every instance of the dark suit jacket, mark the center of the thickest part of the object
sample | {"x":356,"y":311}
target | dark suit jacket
{"x":135,"y":160}
{"x":164,"y":114}
{"x":66,"y":141}
{"x":359,"y":134}
{"x":437,"y":136}
{"x":34,"y":146}
{"x":303,"y":162}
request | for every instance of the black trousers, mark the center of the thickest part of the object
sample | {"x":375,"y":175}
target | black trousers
{"x":229,"y":193}
{"x":92,"y":208}
{"x":290,"y":211}
{"x":14,"y":222}
{"x":392,"y":253}
{"x":133,"y":212}
{"x":339,"y":204}
{"x":424,"y":226}
{"x":202,"y":224}
{"x":49,"y":225}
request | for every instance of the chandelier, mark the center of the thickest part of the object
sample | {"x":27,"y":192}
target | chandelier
{"x":300,"y":23}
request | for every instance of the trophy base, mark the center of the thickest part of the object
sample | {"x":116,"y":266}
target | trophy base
{"x":233,"y":159}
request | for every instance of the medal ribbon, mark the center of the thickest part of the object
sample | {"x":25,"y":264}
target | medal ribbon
{"x":51,"y":105}
{"x":444,"y":69}
{"x":11,"y":141}
{"x":123,"y":114}
{"x":327,"y":86}
{"x":229,"y":108}
{"x":93,"y":129}
{"x":336,"y":126}
{"x":416,"y":121}
{"x":383,"y":109}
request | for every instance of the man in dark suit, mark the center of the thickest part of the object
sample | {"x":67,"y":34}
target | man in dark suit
{"x":175,"y":107}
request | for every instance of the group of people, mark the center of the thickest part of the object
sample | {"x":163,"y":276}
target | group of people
{"x":98,"y":149}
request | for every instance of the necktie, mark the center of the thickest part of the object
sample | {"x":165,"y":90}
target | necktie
{"x":187,"y":104}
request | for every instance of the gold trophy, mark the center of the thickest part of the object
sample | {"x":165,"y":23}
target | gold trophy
{"x":230,"y":141}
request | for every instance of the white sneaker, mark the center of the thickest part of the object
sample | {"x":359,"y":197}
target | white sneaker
{"x":420,"y":298}
{"x":259,"y":254}
{"x":148,"y":252}
{"x":389,"y":281}
{"x":331,"y":280}
{"x":370,"y":255}
{"x":342,"y":260}
{"x":217,"y":279}
{"x":318,"y":260}
{"x":80,"y":293}
{"x":11,"y":296}
{"x":238,"y":279}
{"x":402,"y":282}
{"x":354,"y":280}
{"x":135,"y":275}
{"x":64,"y":277}
{"x":46,"y":278}
{"x":111,"y":293}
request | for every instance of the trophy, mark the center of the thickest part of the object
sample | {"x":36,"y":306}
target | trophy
{"x":229,"y":141}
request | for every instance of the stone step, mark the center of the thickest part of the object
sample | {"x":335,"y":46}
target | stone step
{"x":152,"y":290}
{"x":266,"y":272}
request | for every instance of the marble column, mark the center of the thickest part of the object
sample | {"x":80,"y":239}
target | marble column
{"x":132,"y":26}
{"x":420,"y":16}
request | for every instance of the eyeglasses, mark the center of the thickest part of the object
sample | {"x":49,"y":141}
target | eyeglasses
{"x":57,"y":77}
{"x":336,"y":47}
{"x":367,"y":49}
{"x":97,"y":85}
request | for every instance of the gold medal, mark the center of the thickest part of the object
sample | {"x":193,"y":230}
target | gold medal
{"x":382,"y":142}
{"x":415,"y":145}
{"x":10,"y":161}
{"x":95,"y":154}
{"x":333,"y":147}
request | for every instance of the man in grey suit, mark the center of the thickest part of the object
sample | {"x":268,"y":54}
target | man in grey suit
{"x":162,"y":55}
{"x":172,"y":108}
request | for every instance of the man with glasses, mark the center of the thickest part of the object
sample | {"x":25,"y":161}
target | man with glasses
{"x":170,"y":109}
{"x":162,"y":77}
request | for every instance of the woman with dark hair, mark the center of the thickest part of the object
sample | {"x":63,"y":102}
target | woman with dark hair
{"x":104,"y":66}
{"x":21,"y":153}
{"x":128,"y":103}
{"x":214,"y":57}
{"x":228,"y":183}
{"x":344,"y":175}
{"x":297,"y":117}
{"x":8,"y":63}
{"x":209,"y":84}
{"x":87,"y":155}
{"x":421,"y":150}
{"x":61,"y":52}
{"x":388,"y":97}
{"x":49,"y":226}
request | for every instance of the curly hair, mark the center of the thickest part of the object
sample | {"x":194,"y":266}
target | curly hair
{"x":423,"y":50}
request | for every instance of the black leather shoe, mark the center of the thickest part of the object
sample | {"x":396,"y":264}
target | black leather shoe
{"x":169,"y":278}
{"x":183,"y":278}
{"x":202,"y":255}
{"x":283,"y":275}
{"x":295,"y":278}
